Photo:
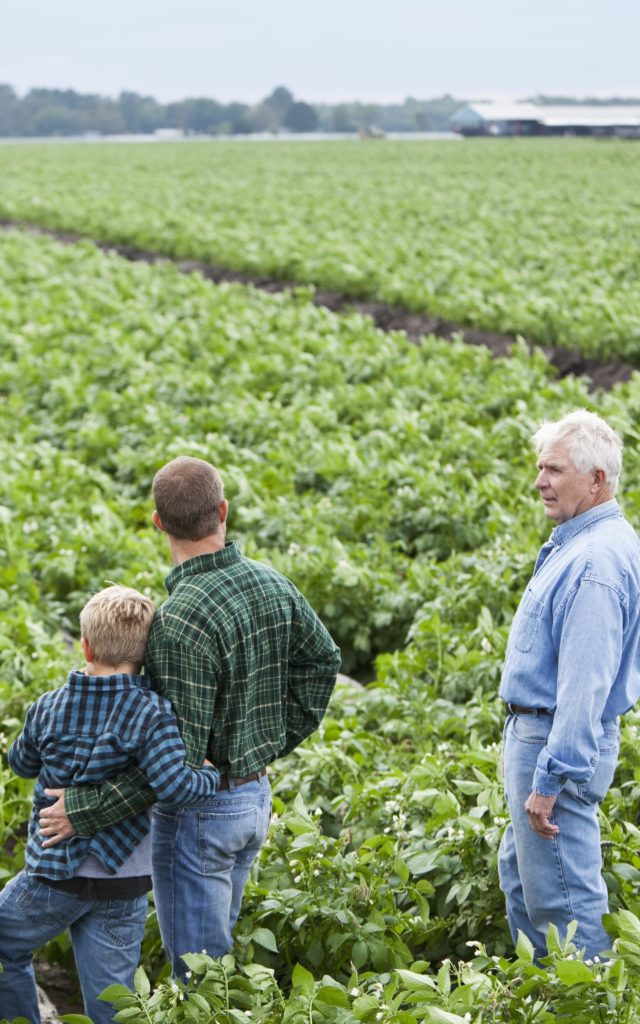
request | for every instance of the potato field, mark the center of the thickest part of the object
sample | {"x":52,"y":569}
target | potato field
{"x":533,"y":237}
{"x":391,"y":481}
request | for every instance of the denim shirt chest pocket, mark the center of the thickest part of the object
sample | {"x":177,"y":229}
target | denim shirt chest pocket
{"x":526,"y":622}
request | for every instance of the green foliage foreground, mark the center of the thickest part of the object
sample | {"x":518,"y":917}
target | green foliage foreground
{"x":490,"y":989}
{"x":393,"y":484}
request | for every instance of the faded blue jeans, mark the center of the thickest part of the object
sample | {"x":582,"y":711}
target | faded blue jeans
{"x":106,"y":937}
{"x":554,"y":881}
{"x":202,"y":856}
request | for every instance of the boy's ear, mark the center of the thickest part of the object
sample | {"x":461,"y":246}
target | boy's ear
{"x":86,"y":648}
{"x":157,"y":522}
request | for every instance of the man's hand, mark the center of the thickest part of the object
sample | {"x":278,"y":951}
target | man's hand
{"x":538,"y":808}
{"x":54,"y":822}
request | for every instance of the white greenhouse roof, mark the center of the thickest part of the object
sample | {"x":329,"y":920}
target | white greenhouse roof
{"x":592,"y":116}
{"x":553,"y":116}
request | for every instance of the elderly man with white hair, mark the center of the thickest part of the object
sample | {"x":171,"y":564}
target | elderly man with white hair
{"x":572,"y":668}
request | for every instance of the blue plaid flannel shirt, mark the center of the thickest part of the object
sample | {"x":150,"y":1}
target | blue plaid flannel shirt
{"x":88,"y":730}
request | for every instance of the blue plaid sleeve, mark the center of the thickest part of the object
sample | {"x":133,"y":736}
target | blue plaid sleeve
{"x":24,"y":756}
{"x":162,"y":761}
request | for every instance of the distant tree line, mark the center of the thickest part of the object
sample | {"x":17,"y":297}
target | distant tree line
{"x":66,"y":112}
{"x":411,"y":116}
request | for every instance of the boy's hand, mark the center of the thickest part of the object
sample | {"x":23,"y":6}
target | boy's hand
{"x":54,"y":822}
{"x":209,"y":764}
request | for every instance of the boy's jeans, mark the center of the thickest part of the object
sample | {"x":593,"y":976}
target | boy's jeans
{"x":202,"y":856}
{"x":554,"y":881}
{"x":106,"y":937}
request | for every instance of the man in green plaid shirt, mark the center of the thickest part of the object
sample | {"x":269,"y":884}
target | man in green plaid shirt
{"x":249,"y":669}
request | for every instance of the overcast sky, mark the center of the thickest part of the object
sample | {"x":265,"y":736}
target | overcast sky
{"x":329,"y":51}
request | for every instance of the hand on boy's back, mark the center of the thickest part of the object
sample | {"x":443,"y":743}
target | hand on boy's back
{"x":54,"y":822}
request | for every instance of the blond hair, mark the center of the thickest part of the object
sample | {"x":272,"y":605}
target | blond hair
{"x":188,"y":493}
{"x":115,"y":623}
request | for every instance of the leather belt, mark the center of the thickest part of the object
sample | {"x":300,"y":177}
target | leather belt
{"x":516,"y":709}
{"x":225,"y":779}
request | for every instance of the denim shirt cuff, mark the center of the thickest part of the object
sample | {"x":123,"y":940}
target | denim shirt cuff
{"x":546,"y":784}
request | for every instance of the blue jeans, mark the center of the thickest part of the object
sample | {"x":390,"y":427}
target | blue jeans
{"x":202,"y":856}
{"x":554,"y":881}
{"x":106,"y":937}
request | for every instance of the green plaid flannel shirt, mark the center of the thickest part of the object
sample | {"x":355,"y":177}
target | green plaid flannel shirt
{"x":247,"y":665}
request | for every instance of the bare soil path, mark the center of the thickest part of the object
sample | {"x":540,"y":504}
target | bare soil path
{"x":57,"y":992}
{"x":602,"y":374}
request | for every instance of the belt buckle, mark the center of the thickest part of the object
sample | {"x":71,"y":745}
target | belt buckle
{"x":517,"y":709}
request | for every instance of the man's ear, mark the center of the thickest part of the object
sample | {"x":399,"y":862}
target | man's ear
{"x":223,"y":510}
{"x":157,"y":522}
{"x":599,"y":479}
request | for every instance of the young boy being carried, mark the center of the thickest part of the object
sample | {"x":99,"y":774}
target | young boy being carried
{"x":102,"y":720}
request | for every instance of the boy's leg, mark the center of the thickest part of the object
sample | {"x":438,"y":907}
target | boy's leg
{"x":31,"y":913}
{"x":106,"y":945}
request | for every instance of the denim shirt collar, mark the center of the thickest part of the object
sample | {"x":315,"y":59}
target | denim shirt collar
{"x":565,"y":531}
{"x":202,"y":563}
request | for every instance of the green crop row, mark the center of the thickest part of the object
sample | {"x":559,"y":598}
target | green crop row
{"x":536,"y":237}
{"x":355,"y":461}
{"x":393,"y":483}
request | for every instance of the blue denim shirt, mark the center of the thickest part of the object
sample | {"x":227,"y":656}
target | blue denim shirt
{"x":574,"y":645}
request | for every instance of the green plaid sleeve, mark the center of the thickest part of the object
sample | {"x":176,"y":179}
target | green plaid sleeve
{"x":185,"y":674}
{"x":92,"y":808}
{"x":313,"y":666}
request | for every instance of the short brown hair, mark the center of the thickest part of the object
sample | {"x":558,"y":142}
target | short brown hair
{"x":116,"y":622}
{"x":187,"y":494}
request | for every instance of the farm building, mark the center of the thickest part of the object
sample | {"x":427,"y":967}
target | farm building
{"x":534,"y":119}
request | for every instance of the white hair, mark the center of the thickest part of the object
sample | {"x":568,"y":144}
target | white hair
{"x":591,"y":443}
